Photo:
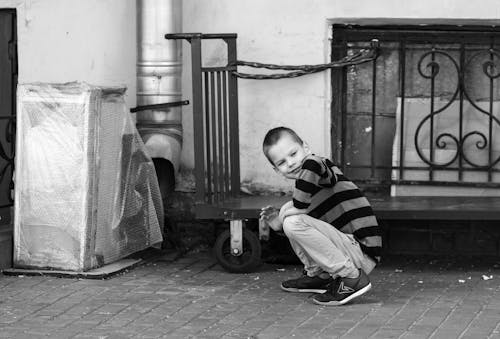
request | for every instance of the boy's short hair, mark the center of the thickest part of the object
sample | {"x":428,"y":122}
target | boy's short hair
{"x":275,"y":134}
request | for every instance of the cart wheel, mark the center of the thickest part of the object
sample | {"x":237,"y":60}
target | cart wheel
{"x":248,"y":261}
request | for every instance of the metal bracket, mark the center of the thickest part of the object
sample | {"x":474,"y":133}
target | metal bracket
{"x":236,"y":231}
{"x":159,"y":106}
{"x":190,"y":36}
{"x":263,"y":230}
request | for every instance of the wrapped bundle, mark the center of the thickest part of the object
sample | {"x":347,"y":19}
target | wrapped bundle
{"x":86,"y":193}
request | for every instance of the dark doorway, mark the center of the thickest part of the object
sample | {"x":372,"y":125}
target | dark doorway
{"x":8,"y":83}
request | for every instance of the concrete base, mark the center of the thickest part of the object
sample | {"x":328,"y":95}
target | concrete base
{"x":103,"y":272}
{"x":6,"y":235}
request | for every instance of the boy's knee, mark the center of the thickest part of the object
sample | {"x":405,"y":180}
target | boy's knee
{"x":292,"y":223}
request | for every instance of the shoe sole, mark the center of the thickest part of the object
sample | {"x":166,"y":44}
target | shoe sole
{"x":303,"y":290}
{"x":346,"y":300}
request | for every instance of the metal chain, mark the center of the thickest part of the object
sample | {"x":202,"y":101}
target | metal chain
{"x":360,"y":57}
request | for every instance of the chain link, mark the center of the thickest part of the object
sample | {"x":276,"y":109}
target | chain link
{"x":364,"y":55}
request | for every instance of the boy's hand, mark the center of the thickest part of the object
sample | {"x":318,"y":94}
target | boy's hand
{"x":271,"y":215}
{"x":266,"y":212}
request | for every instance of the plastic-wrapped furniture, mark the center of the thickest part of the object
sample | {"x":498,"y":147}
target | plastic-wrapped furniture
{"x":86,"y":193}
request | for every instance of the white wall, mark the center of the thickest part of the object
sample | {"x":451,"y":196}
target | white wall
{"x":294,"y":32}
{"x":77,"y":40}
{"x":95,"y":41}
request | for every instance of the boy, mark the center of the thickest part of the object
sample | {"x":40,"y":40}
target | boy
{"x":329,"y":223}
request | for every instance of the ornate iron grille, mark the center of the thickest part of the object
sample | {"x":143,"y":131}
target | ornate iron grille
{"x":8,"y":76}
{"x":7,"y":160}
{"x":426,"y":111}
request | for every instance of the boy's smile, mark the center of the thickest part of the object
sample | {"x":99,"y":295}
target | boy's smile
{"x":287,"y":155}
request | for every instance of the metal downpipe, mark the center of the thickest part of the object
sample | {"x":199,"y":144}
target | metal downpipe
{"x":159,"y":81}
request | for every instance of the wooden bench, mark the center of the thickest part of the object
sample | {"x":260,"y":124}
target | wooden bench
{"x":385,"y":208}
{"x":231,"y":244}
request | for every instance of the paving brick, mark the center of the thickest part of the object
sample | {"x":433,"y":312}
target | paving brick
{"x":383,"y":333}
{"x":195,"y":297}
{"x":275,"y":331}
{"x":8,"y":333}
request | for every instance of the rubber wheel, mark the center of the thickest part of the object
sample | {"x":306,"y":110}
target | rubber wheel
{"x":248,"y":261}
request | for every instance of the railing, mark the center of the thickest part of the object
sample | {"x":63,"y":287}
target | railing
{"x":8,"y":112}
{"x":7,"y":146}
{"x":215,"y":121}
{"x":435,"y":89}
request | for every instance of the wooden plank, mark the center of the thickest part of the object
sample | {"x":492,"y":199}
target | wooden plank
{"x":439,"y":208}
{"x":234,"y":138}
{"x":239,"y":207}
{"x":404,"y":208}
{"x":198,"y":127}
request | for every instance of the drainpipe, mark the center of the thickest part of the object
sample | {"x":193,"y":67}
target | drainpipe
{"x":159,"y":81}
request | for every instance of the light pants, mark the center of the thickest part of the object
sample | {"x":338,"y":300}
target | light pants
{"x":323,"y":248}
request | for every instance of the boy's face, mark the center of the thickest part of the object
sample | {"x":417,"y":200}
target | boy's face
{"x":287,"y":156}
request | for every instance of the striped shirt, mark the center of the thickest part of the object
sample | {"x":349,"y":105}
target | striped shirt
{"x":328,"y":195}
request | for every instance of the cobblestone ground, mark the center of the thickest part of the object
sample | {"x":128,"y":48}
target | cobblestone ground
{"x":194,"y":297}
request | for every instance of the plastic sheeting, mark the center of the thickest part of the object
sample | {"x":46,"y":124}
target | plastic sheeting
{"x":86,"y":192}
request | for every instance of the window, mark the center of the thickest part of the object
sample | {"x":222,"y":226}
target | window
{"x":427,"y":111}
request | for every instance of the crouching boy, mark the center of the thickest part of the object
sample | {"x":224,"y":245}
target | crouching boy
{"x":329,"y":222}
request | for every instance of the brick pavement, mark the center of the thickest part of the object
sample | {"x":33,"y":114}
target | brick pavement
{"x":194,"y":297}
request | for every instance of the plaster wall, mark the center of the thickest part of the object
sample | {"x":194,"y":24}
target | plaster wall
{"x":294,"y":32}
{"x":77,"y":40}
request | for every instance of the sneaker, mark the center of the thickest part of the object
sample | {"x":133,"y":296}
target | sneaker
{"x":343,"y":290}
{"x":306,"y":284}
